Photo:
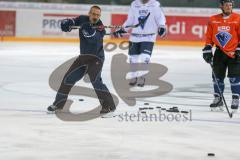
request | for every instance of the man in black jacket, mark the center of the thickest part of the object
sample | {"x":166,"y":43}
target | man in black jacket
{"x":91,"y":36}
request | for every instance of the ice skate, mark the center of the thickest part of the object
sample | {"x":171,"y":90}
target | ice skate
{"x":141,"y":81}
{"x":52,"y":109}
{"x":107,"y":112}
{"x":217,"y":104}
{"x":133,"y":82}
{"x":235,"y":103}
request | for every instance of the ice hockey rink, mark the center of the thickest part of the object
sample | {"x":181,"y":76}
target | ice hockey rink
{"x":28,"y":133}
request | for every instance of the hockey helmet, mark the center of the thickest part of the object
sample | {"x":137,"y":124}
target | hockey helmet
{"x":226,"y":1}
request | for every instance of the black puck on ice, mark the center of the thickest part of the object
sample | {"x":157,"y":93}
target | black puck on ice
{"x":143,"y":112}
{"x":175,"y":107}
{"x":158,"y":107}
{"x":144,"y":108}
{"x":146,"y":104}
{"x":173,"y":110}
{"x":81,"y":99}
{"x":151,"y":108}
{"x":184,"y":112}
{"x":211,"y":154}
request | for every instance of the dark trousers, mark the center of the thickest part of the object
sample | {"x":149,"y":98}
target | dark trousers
{"x":137,"y":48}
{"x":85,"y":65}
{"x":221,"y":64}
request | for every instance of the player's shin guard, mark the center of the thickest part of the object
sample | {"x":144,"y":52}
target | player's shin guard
{"x":235,"y":87}
{"x":145,"y":59}
{"x":133,"y":68}
{"x":220,"y":83}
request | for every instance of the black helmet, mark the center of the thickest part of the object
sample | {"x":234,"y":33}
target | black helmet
{"x":226,"y":1}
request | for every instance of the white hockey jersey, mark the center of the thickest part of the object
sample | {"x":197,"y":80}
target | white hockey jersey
{"x":148,"y":31}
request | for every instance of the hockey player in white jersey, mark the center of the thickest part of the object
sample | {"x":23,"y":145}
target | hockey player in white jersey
{"x":142,"y":38}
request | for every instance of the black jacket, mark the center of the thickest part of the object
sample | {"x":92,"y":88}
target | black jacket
{"x":90,"y":45}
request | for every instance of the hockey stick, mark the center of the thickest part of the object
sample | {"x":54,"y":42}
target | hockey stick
{"x":140,"y":23}
{"x":96,"y":27}
{"x":221,"y":94}
{"x":111,"y":26}
{"x":117,"y":27}
{"x":147,"y":34}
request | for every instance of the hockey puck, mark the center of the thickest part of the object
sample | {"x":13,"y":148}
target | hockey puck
{"x":143,"y":112}
{"x":158,"y":107}
{"x":184,"y":112}
{"x":81,"y":99}
{"x":173,"y":110}
{"x":146,"y":104}
{"x":211,"y":154}
{"x":151,"y":108}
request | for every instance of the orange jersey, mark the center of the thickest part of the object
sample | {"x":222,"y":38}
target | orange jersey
{"x":224,"y":32}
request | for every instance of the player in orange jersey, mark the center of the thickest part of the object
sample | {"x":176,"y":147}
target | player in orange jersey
{"x":224,"y":32}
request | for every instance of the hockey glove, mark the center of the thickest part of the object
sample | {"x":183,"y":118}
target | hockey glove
{"x":100,"y":28}
{"x":207,"y":53}
{"x":66,"y":25}
{"x":119,"y":33}
{"x":87,"y":30}
{"x":162,"y":31}
{"x":237,"y":53}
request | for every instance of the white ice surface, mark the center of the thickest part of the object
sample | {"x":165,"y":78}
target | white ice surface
{"x":28,"y":133}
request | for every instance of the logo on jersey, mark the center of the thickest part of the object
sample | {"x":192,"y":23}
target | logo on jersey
{"x":223,"y":38}
{"x":143,"y":14}
{"x":224,"y":28}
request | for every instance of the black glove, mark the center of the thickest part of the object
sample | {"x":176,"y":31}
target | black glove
{"x":66,"y":25}
{"x":237,"y":53}
{"x":207,"y":53}
{"x":100,"y":28}
{"x":119,"y":33}
{"x":88,"y":30}
{"x":162,"y":31}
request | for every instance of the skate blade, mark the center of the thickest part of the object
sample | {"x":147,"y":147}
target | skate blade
{"x":109,"y":115}
{"x":217,"y":109}
{"x":54,"y":112}
{"x":59,"y":111}
{"x":51,"y":112}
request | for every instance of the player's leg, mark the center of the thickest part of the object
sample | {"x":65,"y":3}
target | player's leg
{"x":146,"y":52}
{"x":234,"y":78}
{"x":219,"y":68}
{"x":134,"y":51}
{"x":104,"y":96}
{"x":74,"y":74}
